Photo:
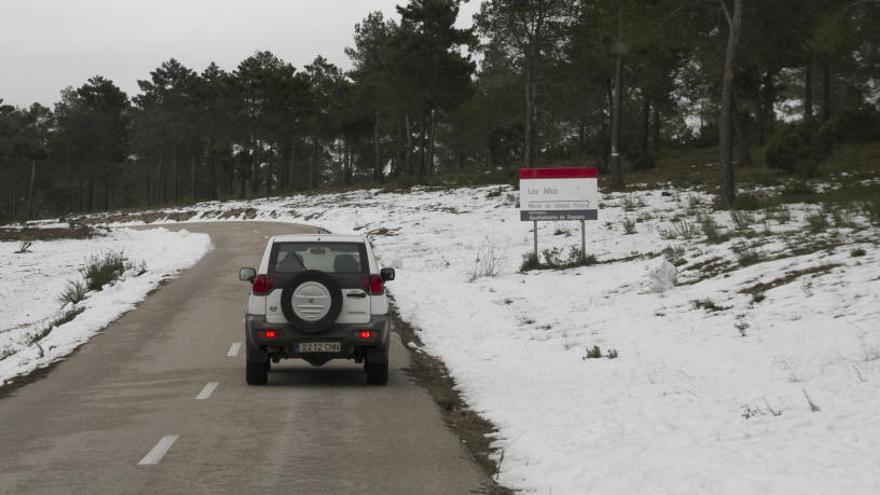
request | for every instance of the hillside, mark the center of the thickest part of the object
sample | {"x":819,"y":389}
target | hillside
{"x":731,"y":372}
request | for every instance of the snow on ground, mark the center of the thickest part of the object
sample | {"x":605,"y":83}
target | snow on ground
{"x":758,"y":372}
{"x":31,"y":283}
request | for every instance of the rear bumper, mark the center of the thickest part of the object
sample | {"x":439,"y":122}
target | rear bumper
{"x":286,"y":342}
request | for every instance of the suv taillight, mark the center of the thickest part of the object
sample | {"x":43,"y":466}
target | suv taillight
{"x":262,"y":285}
{"x":374,"y":285}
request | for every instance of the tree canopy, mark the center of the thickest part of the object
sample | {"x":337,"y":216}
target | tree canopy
{"x":534,"y":82}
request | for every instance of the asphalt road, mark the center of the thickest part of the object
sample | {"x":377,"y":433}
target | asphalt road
{"x":122,"y":414}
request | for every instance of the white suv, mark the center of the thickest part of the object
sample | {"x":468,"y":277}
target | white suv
{"x":317,"y":298}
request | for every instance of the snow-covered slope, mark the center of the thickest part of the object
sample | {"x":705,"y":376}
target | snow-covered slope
{"x":757,"y":372}
{"x":31,"y":283}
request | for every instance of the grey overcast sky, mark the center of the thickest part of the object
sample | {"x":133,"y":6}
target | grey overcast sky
{"x":46,"y":45}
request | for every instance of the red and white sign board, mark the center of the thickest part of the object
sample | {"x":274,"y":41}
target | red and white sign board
{"x":552,"y":194}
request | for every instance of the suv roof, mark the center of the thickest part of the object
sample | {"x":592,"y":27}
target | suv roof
{"x":317,"y":238}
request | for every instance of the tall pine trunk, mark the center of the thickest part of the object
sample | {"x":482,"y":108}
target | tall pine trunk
{"x":431,"y":143}
{"x":70,"y":181}
{"x":192,"y":178}
{"x":760,"y":119}
{"x":646,"y":123}
{"x":808,"y":91}
{"x":728,"y":186}
{"x":742,"y":138}
{"x":826,"y":90}
{"x":765,"y":99}
{"x":292,"y":165}
{"x":255,"y":170}
{"x":528,"y":152}
{"x":377,"y":150}
{"x":607,"y":123}
{"x":657,"y":138}
{"x":616,"y":168}
{"x":420,"y":164}
{"x":408,"y":152}
{"x":30,"y":200}
{"x":160,"y":181}
{"x":14,"y":203}
{"x":212,"y":164}
{"x":313,"y":171}
{"x":174,"y":172}
{"x":269,"y":179}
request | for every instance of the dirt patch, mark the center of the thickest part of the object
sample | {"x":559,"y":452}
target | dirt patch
{"x":242,"y":213}
{"x":757,"y":291}
{"x":146,"y":217}
{"x":383,"y":232}
{"x":313,"y":216}
{"x":474,"y":430}
{"x":75,"y":232}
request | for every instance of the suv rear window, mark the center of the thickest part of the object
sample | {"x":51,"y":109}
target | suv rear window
{"x":330,"y":257}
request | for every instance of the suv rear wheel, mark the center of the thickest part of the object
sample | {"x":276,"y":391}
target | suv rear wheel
{"x":377,"y":374}
{"x":257,"y":368}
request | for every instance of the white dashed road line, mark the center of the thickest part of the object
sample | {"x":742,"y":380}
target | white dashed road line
{"x":207,"y":391}
{"x":233,"y":349}
{"x":155,"y":456}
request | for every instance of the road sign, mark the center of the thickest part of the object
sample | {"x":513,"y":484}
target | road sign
{"x":557,"y":194}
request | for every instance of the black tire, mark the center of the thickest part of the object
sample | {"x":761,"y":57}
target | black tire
{"x":377,"y":374}
{"x":335,"y":301}
{"x":257,"y":374}
{"x":256,"y":367}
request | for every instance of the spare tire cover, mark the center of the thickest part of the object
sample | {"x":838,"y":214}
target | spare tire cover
{"x":312,"y":301}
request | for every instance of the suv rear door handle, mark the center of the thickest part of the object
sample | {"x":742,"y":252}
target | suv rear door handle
{"x":359,"y":295}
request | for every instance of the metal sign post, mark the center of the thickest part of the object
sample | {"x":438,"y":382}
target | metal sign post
{"x":583,"y":238}
{"x":536,"y":239}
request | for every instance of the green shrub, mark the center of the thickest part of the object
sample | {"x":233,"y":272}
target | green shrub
{"x":710,"y":228}
{"x":742,"y":219}
{"x":858,"y":126}
{"x":67,"y":317}
{"x":817,"y":222}
{"x":871,"y":210}
{"x":552,"y":257}
{"x":553,"y":260}
{"x":858,"y":253}
{"x":644,"y":161}
{"x":629,"y":226}
{"x":745,"y":255}
{"x":594,"y":353}
{"x":800,"y":147}
{"x":530,"y":262}
{"x":709,"y":305}
{"x":633,"y":201}
{"x":748,"y":201}
{"x":682,"y":229}
{"x":798,"y":187}
{"x":779,"y":213}
{"x":674,"y":255}
{"x":102,"y":270}
{"x":843,"y":218}
{"x":74,"y":293}
{"x":576,"y":258}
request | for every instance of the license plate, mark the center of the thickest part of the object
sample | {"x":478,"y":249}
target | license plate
{"x":320,"y":347}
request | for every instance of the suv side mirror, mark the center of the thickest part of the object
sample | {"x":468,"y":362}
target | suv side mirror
{"x":247,"y":274}
{"x":387,"y":274}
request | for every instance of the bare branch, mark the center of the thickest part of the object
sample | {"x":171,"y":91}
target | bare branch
{"x":726,"y":12}
{"x":856,"y":4}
